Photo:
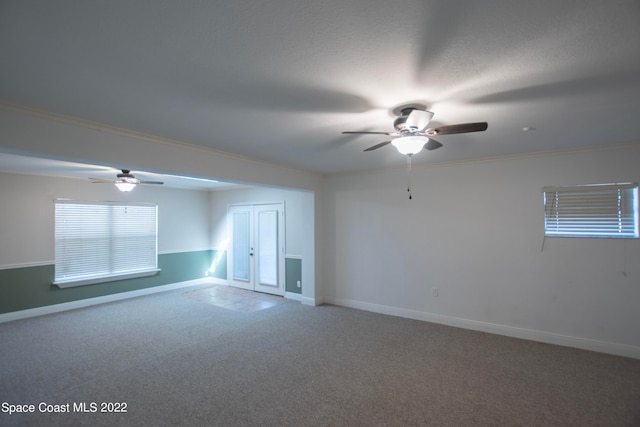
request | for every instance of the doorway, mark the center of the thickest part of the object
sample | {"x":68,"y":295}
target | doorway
{"x":257,"y":251}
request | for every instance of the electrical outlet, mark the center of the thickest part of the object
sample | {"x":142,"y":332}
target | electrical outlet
{"x":434,"y":292}
{"x":299,"y":285}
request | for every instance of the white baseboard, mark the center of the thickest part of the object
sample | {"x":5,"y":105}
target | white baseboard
{"x":56,"y":308}
{"x":293,"y":296}
{"x":510,"y":331}
{"x":311,"y":301}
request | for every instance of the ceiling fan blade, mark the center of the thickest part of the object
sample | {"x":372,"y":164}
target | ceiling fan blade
{"x":102,"y":181}
{"x":432,"y":145}
{"x":460,"y":128}
{"x":375,"y":147}
{"x":418,"y":119}
{"x":150,"y":182}
{"x":366,"y":133}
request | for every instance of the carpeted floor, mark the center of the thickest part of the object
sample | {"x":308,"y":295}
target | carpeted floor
{"x":176,"y":360}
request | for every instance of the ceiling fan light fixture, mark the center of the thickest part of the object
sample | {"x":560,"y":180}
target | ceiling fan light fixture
{"x":409,"y":145}
{"x":125,"y":186}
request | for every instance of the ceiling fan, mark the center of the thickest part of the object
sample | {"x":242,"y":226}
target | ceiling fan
{"x":411,"y":133}
{"x":125,"y":181}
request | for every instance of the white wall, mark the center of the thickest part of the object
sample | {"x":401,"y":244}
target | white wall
{"x":27,"y":215}
{"x":475,"y":231}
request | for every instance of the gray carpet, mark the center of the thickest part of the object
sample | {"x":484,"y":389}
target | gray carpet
{"x":179,"y":361}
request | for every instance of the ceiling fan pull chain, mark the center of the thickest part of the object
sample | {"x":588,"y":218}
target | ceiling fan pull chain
{"x":409,"y":175}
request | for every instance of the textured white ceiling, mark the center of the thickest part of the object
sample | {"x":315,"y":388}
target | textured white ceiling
{"x":279,"y":80}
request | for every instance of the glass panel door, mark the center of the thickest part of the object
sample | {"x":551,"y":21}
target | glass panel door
{"x":257,"y":245}
{"x":241,"y":246}
{"x":241,"y":251}
{"x":268,"y":247}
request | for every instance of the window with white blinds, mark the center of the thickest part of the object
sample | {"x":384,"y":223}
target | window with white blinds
{"x":102,"y":241}
{"x":601,"y":210}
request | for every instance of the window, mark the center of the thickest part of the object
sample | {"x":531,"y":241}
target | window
{"x":601,"y":210}
{"x":102,"y":241}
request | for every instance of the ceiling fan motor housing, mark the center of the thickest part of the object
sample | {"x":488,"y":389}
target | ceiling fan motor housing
{"x":400,"y":123}
{"x":127,"y":177}
{"x":125,"y":174}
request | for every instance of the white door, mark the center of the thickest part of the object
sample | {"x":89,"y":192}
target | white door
{"x":256,"y":255}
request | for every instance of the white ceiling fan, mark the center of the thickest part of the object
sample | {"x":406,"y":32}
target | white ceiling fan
{"x":125,"y":181}
{"x":411,"y":133}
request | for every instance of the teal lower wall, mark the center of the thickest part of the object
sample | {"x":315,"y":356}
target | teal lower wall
{"x":30,"y":287}
{"x":293,"y":274}
{"x":218,"y":266}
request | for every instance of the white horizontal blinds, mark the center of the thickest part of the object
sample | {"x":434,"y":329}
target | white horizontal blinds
{"x":133,"y":238}
{"x":82,"y":241}
{"x":102,"y":239}
{"x":609,"y":210}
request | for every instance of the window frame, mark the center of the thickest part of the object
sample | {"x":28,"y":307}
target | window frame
{"x":607,"y":211}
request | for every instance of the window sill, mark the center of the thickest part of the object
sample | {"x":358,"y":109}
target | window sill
{"x":102,"y":279}
{"x":589,"y":236}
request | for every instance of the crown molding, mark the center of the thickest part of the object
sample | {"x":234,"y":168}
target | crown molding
{"x":535,"y":154}
{"x":88,"y":124}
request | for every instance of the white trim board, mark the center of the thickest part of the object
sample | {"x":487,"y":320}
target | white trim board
{"x":53,"y":262}
{"x":293,"y":296}
{"x":26,"y":264}
{"x":173,"y":251}
{"x":71,"y":305}
{"x":493,"y":328}
{"x":311,"y":301}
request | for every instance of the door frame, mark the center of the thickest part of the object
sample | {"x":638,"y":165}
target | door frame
{"x":252,"y":284}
